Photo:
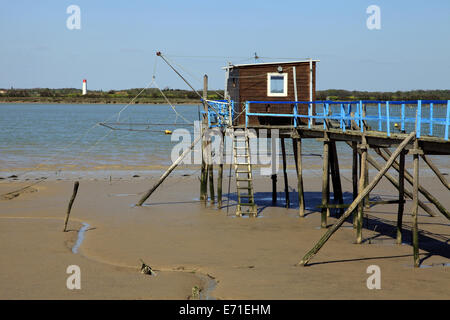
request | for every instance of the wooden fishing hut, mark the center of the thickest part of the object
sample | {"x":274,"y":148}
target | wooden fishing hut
{"x":281,"y":96}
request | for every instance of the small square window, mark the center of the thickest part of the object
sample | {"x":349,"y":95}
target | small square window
{"x":277,"y":84}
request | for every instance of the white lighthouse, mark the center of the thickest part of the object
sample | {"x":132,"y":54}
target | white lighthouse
{"x":84,"y":87}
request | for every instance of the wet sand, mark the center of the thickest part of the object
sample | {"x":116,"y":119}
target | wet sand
{"x":189,"y":245}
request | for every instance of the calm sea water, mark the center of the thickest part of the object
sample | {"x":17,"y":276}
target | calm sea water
{"x":61,"y":136}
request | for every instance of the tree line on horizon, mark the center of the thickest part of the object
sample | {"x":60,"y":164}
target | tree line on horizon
{"x":151,"y":94}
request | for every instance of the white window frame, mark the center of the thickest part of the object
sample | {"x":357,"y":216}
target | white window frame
{"x":285,"y":85}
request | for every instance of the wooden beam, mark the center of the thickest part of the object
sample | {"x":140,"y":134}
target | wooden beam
{"x":422,"y":190}
{"x":436,"y":171}
{"x":396,"y":184}
{"x":308,"y":256}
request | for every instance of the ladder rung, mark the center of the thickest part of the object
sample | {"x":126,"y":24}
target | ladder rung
{"x":246,"y":204}
{"x":243,"y":172}
{"x":243,"y":179}
{"x":245,"y":195}
{"x":243,"y":163}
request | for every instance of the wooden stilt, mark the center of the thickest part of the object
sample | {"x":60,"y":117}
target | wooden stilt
{"x":355,"y":177}
{"x":204,"y":173}
{"x":415,"y":205}
{"x":366,"y":168}
{"x":204,"y":169}
{"x":274,"y":189}
{"x":72,"y":199}
{"x":362,"y":185}
{"x":297,"y":145}
{"x":401,"y":197}
{"x":212,"y":198}
{"x":286,"y":183}
{"x":325,"y":182}
{"x":356,"y":202}
{"x":220,"y":173}
{"x":336,"y":177}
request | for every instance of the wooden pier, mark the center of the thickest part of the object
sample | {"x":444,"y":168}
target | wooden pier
{"x":412,"y":129}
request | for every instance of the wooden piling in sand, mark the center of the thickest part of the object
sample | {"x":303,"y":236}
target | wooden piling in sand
{"x":325,"y":181}
{"x":362,"y":185}
{"x":220,"y":173}
{"x":297,"y":146}
{"x":401,"y":197}
{"x":286,"y":183}
{"x":354,"y":146}
{"x":72,"y":199}
{"x":336,"y":177}
{"x":415,"y":206}
{"x":204,"y":126}
{"x":274,"y":188}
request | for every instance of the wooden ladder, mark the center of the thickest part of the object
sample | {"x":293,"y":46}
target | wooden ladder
{"x":243,"y":170}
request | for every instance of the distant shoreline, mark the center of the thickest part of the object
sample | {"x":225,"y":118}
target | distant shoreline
{"x":92,"y":101}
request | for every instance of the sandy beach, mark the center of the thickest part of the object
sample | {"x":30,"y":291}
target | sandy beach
{"x":189,"y":245}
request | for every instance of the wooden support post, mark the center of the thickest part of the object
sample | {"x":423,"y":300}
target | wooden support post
{"x":401,"y":197}
{"x":212,"y":198}
{"x":336,"y":176}
{"x":415,"y":205}
{"x":297,"y":145}
{"x":422,"y":190}
{"x":72,"y":199}
{"x":366,"y":169}
{"x":204,"y":126}
{"x":220,"y":172}
{"x":362,"y":186}
{"x":274,"y":189}
{"x":169,"y":170}
{"x":356,"y":202}
{"x":355,"y":177}
{"x":286,"y":183}
{"x":325,"y":182}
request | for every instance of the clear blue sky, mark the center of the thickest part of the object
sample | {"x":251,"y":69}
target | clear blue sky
{"x":116,"y":45}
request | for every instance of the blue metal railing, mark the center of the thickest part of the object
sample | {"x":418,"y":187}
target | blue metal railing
{"x":224,"y":108}
{"x":386,"y":116}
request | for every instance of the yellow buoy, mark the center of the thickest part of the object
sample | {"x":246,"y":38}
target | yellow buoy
{"x":167,"y":132}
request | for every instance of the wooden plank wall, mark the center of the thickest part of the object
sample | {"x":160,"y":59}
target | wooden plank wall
{"x":250,"y":84}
